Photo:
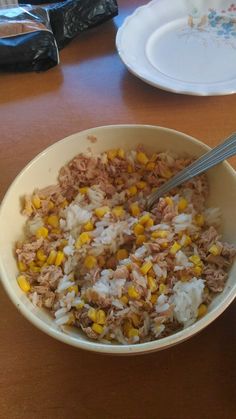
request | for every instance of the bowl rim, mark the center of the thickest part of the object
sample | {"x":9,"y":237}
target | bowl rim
{"x":116,"y":349}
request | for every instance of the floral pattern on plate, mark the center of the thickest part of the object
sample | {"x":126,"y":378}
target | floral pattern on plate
{"x":220,"y":25}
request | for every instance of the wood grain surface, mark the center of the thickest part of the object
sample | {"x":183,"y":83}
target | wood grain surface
{"x":43,"y":378}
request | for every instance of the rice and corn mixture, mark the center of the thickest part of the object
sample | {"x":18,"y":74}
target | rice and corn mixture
{"x":96,"y":259}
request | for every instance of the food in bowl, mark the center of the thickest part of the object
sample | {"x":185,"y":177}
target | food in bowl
{"x":99,"y":261}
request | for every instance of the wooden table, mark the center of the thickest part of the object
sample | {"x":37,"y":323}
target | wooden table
{"x":43,"y":378}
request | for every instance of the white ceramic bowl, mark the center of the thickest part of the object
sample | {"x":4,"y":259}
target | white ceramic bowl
{"x":43,"y":170}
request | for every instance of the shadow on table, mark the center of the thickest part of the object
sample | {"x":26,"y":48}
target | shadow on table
{"x":19,"y":86}
{"x":153,"y":96}
{"x":93,"y":43}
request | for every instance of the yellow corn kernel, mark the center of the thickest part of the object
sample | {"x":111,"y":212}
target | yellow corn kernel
{"x":140,"y":239}
{"x":214,"y":250}
{"x":64,"y":203}
{"x":152,"y":284}
{"x":119,"y":181}
{"x":71,"y":320}
{"x":146,"y":267}
{"x":41,"y":232}
{"x":142,"y":158}
{"x":28,"y":207}
{"x":32,"y":264}
{"x":130,"y":168}
{"x":101,"y":317}
{"x":35,"y":269}
{"x":122,"y":254}
{"x":141,"y":184}
{"x":174,"y":248}
{"x":121,"y":153}
{"x":40,"y":263}
{"x":164,"y":245}
{"x":53,"y":220}
{"x":199,"y":219}
{"x":59,"y":258}
{"x":92,"y":314}
{"x":150,"y":166}
{"x":74,"y":288}
{"x":83,"y":190}
{"x":22,"y":266}
{"x":78,"y":243}
{"x":135,"y":319}
{"x":138,"y":229}
{"x":186,"y":241}
{"x":80,"y":305}
{"x":134,"y":209}
{"x":124,"y":299}
{"x":162,"y":288}
{"x":154,"y":298}
{"x":202,"y":309}
{"x":112,"y":154}
{"x":118,"y":211}
{"x":196,"y":260}
{"x":169,"y":201}
{"x":184,"y":278}
{"x":159,"y":234}
{"x":132,"y":332}
{"x":85,"y":238}
{"x":129,"y":267}
{"x":151,"y":272}
{"x":55,"y":231}
{"x":52,"y":257}
{"x":101,"y":211}
{"x":88,"y":226}
{"x":197,"y":270}
{"x":90,"y":261}
{"x":138,"y":262}
{"x":133,"y":293}
{"x":132,"y":190}
{"x":149,"y":223}
{"x":41,"y":255}
{"x":182,"y":205}
{"x":127,"y":326}
{"x":50,"y":205}
{"x":165,"y":172}
{"x":143,"y":220}
{"x":36,"y":201}
{"x":63,"y":243}
{"x":23,"y":283}
{"x":97,"y":328}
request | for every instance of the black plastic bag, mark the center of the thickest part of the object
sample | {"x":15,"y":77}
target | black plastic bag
{"x":27,"y":42}
{"x":70,"y":18}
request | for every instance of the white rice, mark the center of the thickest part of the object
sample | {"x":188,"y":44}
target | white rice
{"x":186,"y":299}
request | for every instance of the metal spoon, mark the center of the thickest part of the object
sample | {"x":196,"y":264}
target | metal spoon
{"x":211,"y":158}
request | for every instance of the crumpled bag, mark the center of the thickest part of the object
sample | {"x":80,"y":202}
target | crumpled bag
{"x":71,"y":17}
{"x":27,"y":42}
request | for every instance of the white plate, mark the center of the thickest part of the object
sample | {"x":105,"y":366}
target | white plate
{"x":185,"y":46}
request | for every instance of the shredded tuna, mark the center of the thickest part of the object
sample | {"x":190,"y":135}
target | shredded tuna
{"x":215,"y":278}
{"x":97,"y":260}
{"x":50,"y":276}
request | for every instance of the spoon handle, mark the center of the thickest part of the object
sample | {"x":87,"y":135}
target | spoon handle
{"x":211,"y":158}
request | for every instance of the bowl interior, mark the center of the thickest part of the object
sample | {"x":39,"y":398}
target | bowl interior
{"x":43,"y":170}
